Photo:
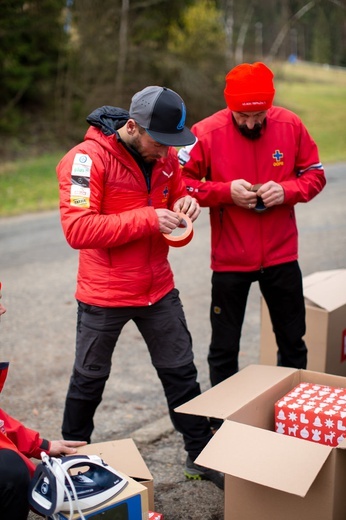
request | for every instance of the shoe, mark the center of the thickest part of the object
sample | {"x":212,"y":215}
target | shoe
{"x":195,"y":472}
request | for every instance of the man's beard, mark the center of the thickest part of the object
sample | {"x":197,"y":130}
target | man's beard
{"x":137,"y":147}
{"x":251,"y":133}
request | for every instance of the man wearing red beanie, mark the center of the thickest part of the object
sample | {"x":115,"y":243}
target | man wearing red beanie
{"x":251,"y":163}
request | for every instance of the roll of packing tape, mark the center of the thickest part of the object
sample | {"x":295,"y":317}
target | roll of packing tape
{"x":182,"y":238}
{"x":260,"y":204}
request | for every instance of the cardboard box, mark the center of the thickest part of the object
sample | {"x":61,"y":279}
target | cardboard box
{"x":123,"y":455}
{"x":269,"y":475}
{"x":313,"y":412}
{"x":325,"y":301}
{"x":130,"y":504}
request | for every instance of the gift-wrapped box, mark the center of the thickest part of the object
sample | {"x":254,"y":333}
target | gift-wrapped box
{"x":313,"y":412}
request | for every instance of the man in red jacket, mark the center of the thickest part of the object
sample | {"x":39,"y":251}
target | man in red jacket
{"x":251,"y":163}
{"x":121,"y":190}
{"x":18,"y":444}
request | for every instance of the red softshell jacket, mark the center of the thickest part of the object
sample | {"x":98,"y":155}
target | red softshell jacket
{"x":107,"y":212}
{"x":244,"y":240}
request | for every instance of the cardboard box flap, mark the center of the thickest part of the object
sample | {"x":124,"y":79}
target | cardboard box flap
{"x":122,"y":455}
{"x":264,"y":457}
{"x":233,"y":393}
{"x":326,"y":289}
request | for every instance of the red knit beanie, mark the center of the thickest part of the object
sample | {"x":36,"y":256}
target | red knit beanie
{"x":249,"y":88}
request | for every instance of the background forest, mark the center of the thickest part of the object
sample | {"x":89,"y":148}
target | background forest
{"x":60,"y":59}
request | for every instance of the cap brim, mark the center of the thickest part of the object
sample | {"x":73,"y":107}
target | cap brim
{"x":183,"y":138}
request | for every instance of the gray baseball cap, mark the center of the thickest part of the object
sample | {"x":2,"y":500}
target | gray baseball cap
{"x":162,"y":113}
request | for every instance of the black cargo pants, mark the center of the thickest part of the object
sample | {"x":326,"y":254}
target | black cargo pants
{"x":164,"y":329}
{"x":281,"y":287}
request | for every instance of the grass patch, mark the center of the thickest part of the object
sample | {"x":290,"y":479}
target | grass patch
{"x":317,"y":94}
{"x":29,"y":185}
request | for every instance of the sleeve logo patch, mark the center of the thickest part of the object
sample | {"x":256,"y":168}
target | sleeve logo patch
{"x":80,"y":196}
{"x":79,"y":191}
{"x":81,"y":165}
{"x":81,"y":202}
{"x":80,"y":180}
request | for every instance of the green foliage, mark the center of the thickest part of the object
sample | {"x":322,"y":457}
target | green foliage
{"x":51,"y":78}
{"x":199,"y":33}
{"x":321,"y":47}
{"x":197,"y":48}
{"x":30,"y":36}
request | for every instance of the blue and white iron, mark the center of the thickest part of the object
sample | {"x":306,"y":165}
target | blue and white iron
{"x":74,"y":483}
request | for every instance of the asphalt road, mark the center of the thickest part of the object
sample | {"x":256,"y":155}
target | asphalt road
{"x":38,"y":272}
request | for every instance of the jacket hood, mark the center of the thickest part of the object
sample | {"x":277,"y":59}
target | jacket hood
{"x":108,"y":119}
{"x":3,"y":373}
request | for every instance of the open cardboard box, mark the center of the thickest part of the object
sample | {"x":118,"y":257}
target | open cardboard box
{"x":123,"y":455}
{"x":268,"y":475}
{"x":325,"y":302}
{"x":130,"y":504}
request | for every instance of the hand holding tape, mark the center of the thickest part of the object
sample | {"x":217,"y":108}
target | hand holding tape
{"x":183,"y":238}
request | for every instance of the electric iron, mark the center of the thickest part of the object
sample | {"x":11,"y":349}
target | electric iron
{"x":78,"y":482}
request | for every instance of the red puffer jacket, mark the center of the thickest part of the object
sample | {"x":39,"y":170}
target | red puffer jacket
{"x":243,"y":240}
{"x":108,"y":214}
{"x":15,"y":436}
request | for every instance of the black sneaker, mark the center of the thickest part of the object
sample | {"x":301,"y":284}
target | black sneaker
{"x":195,"y":472}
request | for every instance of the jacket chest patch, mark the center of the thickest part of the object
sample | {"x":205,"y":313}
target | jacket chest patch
{"x":165,"y":194}
{"x":278,"y":158}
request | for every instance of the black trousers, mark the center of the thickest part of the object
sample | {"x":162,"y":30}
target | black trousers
{"x":14,"y":483}
{"x":281,"y":287}
{"x":164,"y":329}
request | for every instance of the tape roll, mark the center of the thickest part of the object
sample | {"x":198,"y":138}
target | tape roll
{"x":184,"y":237}
{"x":260,"y":204}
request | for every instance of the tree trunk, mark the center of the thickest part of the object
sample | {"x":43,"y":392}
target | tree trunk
{"x":122,"y":51}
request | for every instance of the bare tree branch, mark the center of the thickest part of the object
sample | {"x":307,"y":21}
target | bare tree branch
{"x":283,"y":31}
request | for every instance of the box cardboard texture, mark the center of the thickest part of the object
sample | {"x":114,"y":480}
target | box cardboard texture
{"x":325,"y":302}
{"x":268,"y":475}
{"x":123,"y":455}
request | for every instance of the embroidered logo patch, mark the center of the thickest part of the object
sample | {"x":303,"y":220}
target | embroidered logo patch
{"x":165,"y":194}
{"x":278,"y":156}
